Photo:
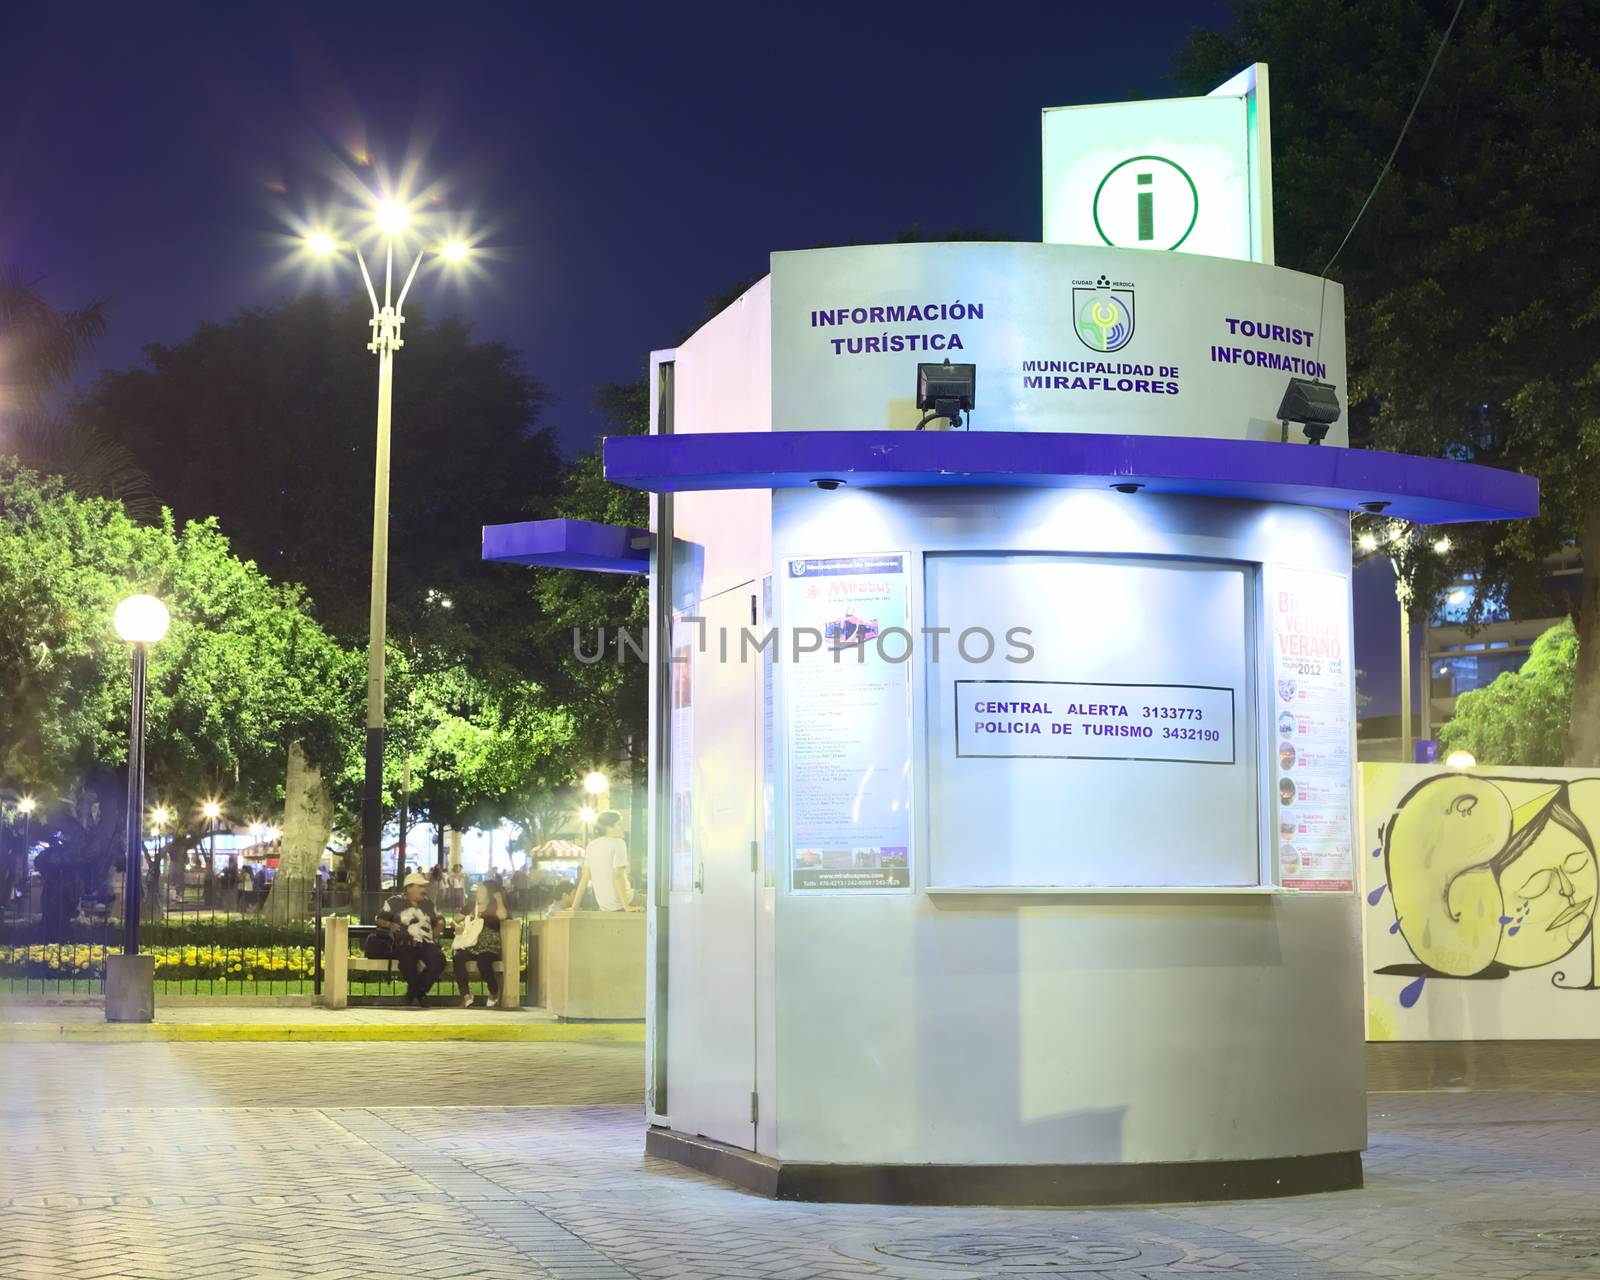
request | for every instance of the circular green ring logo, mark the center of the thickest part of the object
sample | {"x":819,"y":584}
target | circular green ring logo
{"x":1193,"y":190}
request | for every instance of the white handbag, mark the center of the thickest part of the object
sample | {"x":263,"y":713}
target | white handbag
{"x":467,"y":935}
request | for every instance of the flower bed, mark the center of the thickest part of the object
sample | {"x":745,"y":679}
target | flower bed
{"x":238,"y":964}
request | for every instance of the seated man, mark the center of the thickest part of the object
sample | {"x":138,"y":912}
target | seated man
{"x":410,"y":920}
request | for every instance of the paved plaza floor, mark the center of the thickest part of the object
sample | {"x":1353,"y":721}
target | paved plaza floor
{"x":462,"y":1159}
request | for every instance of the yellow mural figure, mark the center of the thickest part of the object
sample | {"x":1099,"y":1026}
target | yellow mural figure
{"x":1492,"y":874}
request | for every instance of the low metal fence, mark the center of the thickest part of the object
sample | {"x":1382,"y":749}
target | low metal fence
{"x":237,"y":943}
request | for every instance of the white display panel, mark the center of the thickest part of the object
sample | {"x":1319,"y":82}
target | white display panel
{"x":1122,"y":646}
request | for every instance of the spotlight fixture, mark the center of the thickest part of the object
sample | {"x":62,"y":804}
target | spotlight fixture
{"x":828,"y":486}
{"x":1314,"y":405}
{"x":1127,"y":486}
{"x":1374,"y":508}
{"x":946,"y":391}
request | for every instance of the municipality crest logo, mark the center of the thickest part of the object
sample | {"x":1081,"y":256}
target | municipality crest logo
{"x":1103,"y":315}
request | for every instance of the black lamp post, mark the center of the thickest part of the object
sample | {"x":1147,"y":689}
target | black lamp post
{"x":141,"y":621}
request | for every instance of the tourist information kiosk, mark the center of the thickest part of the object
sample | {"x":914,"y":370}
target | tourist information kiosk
{"x":1001,"y":840}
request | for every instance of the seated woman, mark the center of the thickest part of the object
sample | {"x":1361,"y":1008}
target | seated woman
{"x":478,"y":938}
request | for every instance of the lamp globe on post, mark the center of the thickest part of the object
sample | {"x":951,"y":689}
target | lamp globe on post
{"x":140,"y":621}
{"x":25,"y":807}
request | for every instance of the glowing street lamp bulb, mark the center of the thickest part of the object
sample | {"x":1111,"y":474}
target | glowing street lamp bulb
{"x":594,"y":783}
{"x":455,"y":251}
{"x":212,"y":810}
{"x":141,"y":619}
{"x":26,"y":804}
{"x":160,"y":816}
{"x":256,"y":829}
{"x":1442,"y":546}
{"x":1460,"y":760}
{"x":392,"y":217}
{"x":319,"y":244}
{"x":586,"y":815}
{"x":1367,"y":542}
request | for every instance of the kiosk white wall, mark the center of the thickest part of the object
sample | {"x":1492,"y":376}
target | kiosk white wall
{"x":1072,"y":964}
{"x":1001,"y":779}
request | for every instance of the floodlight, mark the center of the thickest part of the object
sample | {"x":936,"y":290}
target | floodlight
{"x":320,"y":244}
{"x":1314,"y":405}
{"x":945,"y":391}
{"x":455,"y":251}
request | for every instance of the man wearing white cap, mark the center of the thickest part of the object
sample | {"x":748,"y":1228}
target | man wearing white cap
{"x":413,"y":923}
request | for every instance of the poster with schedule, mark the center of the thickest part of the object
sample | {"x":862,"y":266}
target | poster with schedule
{"x":1309,"y":613}
{"x":849,"y":746}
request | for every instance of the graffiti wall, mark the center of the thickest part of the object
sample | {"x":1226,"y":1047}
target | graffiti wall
{"x":1479,"y":902}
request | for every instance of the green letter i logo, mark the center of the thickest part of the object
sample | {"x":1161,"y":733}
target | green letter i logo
{"x":1147,"y":210}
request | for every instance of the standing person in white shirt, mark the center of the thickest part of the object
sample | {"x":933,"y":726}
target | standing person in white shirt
{"x":605,"y":866}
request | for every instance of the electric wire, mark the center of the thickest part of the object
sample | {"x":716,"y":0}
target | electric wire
{"x":1384,"y":172}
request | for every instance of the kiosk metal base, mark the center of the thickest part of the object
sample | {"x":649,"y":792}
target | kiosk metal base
{"x":1011,"y":1184}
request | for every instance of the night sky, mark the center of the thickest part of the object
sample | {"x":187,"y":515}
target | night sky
{"x":626,"y":163}
{"x":621,"y":164}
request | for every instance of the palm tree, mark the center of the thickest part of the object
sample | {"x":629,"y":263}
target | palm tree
{"x":40,"y":348}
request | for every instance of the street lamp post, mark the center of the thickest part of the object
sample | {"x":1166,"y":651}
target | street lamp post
{"x":159,"y":816}
{"x":391,"y":218}
{"x":25,"y":806}
{"x":141,"y":621}
{"x":211,"y":811}
{"x":1398,"y":545}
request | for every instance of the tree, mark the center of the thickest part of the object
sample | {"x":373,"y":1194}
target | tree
{"x":267,"y":420}
{"x":1520,"y":719}
{"x":40,"y":348}
{"x":1473,"y":280}
{"x":243,"y":673}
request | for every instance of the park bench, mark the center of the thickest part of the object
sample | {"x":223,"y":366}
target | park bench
{"x":340,"y":960}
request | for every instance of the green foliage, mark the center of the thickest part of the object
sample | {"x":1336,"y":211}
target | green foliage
{"x":476,"y":746}
{"x":39,"y":346}
{"x":268,"y":419}
{"x":1520,"y":719}
{"x":1473,"y":281}
{"x":243,"y":671}
{"x":606,"y":699}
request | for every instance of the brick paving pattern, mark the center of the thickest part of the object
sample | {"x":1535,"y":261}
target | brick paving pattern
{"x":161,"y":1161}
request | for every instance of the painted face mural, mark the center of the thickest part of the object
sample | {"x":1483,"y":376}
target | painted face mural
{"x":1488,"y":872}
